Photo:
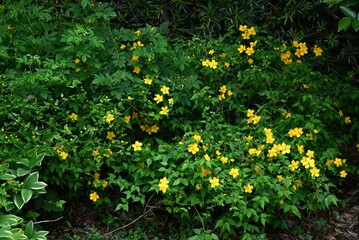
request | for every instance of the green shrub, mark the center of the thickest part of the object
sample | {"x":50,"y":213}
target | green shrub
{"x":224,"y":134}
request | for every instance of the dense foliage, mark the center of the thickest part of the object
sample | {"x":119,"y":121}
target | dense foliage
{"x":223,"y":133}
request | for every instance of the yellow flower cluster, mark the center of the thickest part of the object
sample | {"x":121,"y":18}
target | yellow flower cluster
{"x":301,"y":48}
{"x":295,"y":132}
{"x":193,"y":148}
{"x":269,"y":135}
{"x":73,"y":116}
{"x":222,"y":93}
{"x":317,"y":51}
{"x":248,"y":50}
{"x":285,"y":57}
{"x":277,"y":149}
{"x":211,"y":64}
{"x":247,"y":32}
{"x":338,"y":162}
{"x":149,"y":129}
{"x":252,"y":118}
{"x":61,"y":153}
{"x":163,"y":185}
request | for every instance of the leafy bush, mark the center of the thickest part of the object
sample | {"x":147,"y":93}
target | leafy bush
{"x":224,"y":134}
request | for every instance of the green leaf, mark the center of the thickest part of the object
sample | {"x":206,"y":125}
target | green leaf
{"x":38,"y":185}
{"x":5,"y":235}
{"x":21,"y":172}
{"x":29,"y":230}
{"x":348,"y":12}
{"x":7,"y":176}
{"x":26,"y":195}
{"x":9,"y":220}
{"x":176,"y":182}
{"x":332,"y":1}
{"x":344,"y":23}
{"x":355,"y":25}
{"x":31,"y":179}
{"x":296,"y":211}
{"x":19,"y":202}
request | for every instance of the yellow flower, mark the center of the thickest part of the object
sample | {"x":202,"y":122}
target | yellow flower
{"x":206,"y":156}
{"x":95,"y":152}
{"x":317,"y":51}
{"x":63,"y":155}
{"x":254,"y":119}
{"x":250,"y":61}
{"x":122,"y":46}
{"x":198,"y":187}
{"x":94,"y":196}
{"x":248,"y":188}
{"x":110,"y":118}
{"x":127,"y":119}
{"x":136,"y":70}
{"x":214,"y":182}
{"x":347,"y":120}
{"x":338,"y":162}
{"x":105,"y":184}
{"x":242,"y":28}
{"x":73,"y":116}
{"x":310,"y":154}
{"x":281,"y":202}
{"x":306,"y":86}
{"x":224,"y":160}
{"x":329,"y":162}
{"x":197,"y":138}
{"x":234,"y":172}
{"x":241,"y":48}
{"x":170,"y":101}
{"x":163,"y":185}
{"x":9,"y":27}
{"x":193,"y":148}
{"x":138,"y":32}
{"x":110,"y":135}
{"x":109,"y":153}
{"x":96,"y":176}
{"x":77,"y":60}
{"x":137,"y":146}
{"x":257,"y":169}
{"x":296,"y":132}
{"x":314,"y":172}
{"x":147,"y":80}
{"x":300,"y":149}
{"x":227,"y":64}
{"x":135,"y":58}
{"x":307,"y":162}
{"x":164,"y":110}
{"x":223,"y":89}
{"x":205,"y":171}
{"x":249,"y":51}
{"x":343,"y":174}
{"x":165,"y":90}
{"x":158,"y":98}
{"x":294,"y":165}
{"x":218,"y":153}
{"x":77,"y":69}
{"x":249,"y":138}
{"x":229,"y":93}
{"x":341,"y":114}
{"x":280,"y":178}
{"x":210,"y":52}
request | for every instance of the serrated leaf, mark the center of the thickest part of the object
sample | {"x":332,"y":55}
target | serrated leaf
{"x":344,"y":23}
{"x":348,"y":12}
{"x":26,"y":195}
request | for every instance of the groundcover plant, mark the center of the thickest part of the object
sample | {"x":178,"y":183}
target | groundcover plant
{"x":224,"y":134}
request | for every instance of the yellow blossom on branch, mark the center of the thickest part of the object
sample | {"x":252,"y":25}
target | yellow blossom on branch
{"x":94,"y":196}
{"x":147,"y":80}
{"x":248,"y":188}
{"x":164,"y":110}
{"x":214,"y":182}
{"x":343,"y":174}
{"x":163,"y":185}
{"x":165,"y":90}
{"x":137,"y":146}
{"x":294,"y":165}
{"x":193,"y":148}
{"x":314,"y":172}
{"x":110,"y":118}
{"x":74,"y":116}
{"x":234,"y":172}
{"x":158,"y":98}
{"x":110,"y":135}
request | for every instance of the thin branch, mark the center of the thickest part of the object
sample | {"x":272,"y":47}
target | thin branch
{"x":49,"y":221}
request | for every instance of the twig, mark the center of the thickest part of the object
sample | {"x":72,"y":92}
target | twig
{"x":48,"y":221}
{"x":138,"y":218}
